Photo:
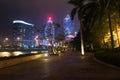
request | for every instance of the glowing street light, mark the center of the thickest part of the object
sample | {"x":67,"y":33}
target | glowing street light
{"x":6,"y":39}
{"x":18,"y":38}
{"x":6,"y":42}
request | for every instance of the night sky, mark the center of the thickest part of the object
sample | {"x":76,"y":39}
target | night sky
{"x":32,"y":11}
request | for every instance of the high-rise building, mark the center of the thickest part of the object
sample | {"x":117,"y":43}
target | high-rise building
{"x":68,"y":26}
{"x":23,"y":34}
{"x":49,"y":31}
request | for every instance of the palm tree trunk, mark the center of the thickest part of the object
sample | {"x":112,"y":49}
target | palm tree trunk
{"x":117,"y":35}
{"x":111,"y":31}
{"x":81,"y":37}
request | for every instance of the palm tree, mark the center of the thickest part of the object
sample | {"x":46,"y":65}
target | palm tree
{"x":82,"y":8}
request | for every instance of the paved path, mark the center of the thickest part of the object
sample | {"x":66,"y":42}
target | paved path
{"x":85,"y":68}
{"x":68,"y":66}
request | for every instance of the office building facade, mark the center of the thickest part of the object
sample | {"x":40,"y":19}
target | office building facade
{"x":23,"y":34}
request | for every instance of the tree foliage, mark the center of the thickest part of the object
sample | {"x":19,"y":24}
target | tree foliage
{"x":98,"y":18}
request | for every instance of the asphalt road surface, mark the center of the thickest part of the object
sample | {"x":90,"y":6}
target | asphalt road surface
{"x":67,"y":66}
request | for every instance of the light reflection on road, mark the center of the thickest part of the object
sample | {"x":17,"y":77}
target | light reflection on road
{"x":15,"y":53}
{"x":45,"y":60}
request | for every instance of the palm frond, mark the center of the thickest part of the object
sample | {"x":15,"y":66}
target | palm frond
{"x":73,"y":12}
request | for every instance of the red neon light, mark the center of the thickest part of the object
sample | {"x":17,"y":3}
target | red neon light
{"x":49,"y":18}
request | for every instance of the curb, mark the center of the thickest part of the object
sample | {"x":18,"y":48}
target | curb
{"x":109,"y":65}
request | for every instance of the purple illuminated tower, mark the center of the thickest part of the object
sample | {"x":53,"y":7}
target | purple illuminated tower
{"x":68,"y":27}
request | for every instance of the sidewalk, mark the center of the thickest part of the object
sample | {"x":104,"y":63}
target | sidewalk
{"x":85,"y":68}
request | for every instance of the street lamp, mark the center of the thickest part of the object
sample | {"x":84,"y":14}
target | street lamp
{"x":6,"y":41}
{"x":18,"y":39}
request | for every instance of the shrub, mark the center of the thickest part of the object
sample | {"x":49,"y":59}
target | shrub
{"x":109,"y":56}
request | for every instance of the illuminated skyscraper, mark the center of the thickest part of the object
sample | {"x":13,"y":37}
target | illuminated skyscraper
{"x":68,"y":27}
{"x":23,"y":33}
{"x":49,"y":31}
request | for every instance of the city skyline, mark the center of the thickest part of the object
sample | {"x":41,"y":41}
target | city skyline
{"x":34,"y":11}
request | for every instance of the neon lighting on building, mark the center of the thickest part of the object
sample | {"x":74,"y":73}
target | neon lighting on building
{"x":68,"y":27}
{"x":22,"y":22}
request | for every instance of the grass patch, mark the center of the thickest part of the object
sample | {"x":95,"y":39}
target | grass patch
{"x":109,"y":56}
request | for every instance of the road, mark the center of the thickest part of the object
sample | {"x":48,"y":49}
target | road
{"x":68,"y":66}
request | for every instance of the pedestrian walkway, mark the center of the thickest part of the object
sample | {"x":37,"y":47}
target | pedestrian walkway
{"x":84,"y":68}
